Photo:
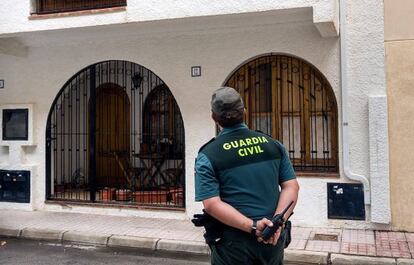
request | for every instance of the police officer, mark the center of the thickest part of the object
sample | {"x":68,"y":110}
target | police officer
{"x":238,"y":175}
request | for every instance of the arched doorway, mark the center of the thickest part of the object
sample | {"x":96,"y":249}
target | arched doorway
{"x":112,"y":127}
{"x":288,"y":98}
{"x":99,"y":147}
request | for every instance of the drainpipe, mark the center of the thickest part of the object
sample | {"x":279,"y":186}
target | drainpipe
{"x":344,"y":92}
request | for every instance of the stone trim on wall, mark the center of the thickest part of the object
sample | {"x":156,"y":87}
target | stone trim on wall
{"x":379,"y":160}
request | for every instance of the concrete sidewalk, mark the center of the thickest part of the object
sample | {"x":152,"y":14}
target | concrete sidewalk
{"x":309,"y":245}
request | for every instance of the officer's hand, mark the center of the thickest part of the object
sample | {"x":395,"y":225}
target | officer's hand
{"x":261,"y":225}
{"x":273,"y":240}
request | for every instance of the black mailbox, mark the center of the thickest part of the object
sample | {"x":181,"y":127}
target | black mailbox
{"x":14,"y":186}
{"x":346,"y":201}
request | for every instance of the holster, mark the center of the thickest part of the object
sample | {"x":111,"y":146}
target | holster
{"x":213,"y":227}
{"x":288,"y":233}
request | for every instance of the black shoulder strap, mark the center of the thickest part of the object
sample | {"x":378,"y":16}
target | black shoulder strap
{"x":204,"y":145}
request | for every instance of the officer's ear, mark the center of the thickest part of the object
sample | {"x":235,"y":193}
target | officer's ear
{"x":214,"y":117}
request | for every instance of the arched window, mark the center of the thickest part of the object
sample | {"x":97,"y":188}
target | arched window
{"x":288,"y":98}
{"x":163,"y":125}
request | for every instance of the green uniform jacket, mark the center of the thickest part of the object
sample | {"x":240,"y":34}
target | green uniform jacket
{"x":244,"y":168}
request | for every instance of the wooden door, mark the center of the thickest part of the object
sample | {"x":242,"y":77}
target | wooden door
{"x":112,"y":134}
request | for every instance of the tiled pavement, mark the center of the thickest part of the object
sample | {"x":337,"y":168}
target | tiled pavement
{"x":410,"y":241}
{"x":355,"y":242}
{"x":102,"y":224}
{"x":392,"y":244}
{"x":345,"y":241}
{"x":324,"y":243}
{"x":358,"y":242}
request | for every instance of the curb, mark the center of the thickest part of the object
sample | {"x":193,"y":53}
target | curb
{"x":132,"y":242}
{"x":193,"y":247}
{"x":339,"y":259}
{"x":85,"y":237}
{"x":155,"y":244}
{"x":405,"y":261}
{"x":42,"y":234}
{"x":10,"y":232}
{"x":305,"y":257}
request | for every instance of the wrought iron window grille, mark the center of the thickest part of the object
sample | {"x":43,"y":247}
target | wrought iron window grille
{"x":110,"y":143}
{"x":58,"y":6}
{"x":288,"y":98}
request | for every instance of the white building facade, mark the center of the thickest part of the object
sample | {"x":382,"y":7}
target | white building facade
{"x":43,"y":55}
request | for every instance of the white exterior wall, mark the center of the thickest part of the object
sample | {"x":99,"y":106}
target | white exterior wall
{"x":17,"y":19}
{"x":219,"y":44}
{"x":366,"y":79}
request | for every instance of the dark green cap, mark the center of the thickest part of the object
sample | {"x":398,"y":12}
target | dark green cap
{"x":227,"y":103}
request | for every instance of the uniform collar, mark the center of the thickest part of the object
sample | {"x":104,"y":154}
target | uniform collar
{"x":227,"y":130}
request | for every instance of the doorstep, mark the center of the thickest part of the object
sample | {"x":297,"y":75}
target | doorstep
{"x":113,"y":204}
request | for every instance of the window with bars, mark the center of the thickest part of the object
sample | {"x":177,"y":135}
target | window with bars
{"x":115,"y":135}
{"x":57,"y":6}
{"x":288,"y":98}
{"x":162,"y":130}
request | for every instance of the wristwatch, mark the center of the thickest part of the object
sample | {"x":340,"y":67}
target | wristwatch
{"x":254,"y":228}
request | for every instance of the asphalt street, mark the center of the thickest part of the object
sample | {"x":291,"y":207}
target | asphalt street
{"x":25,"y":252}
